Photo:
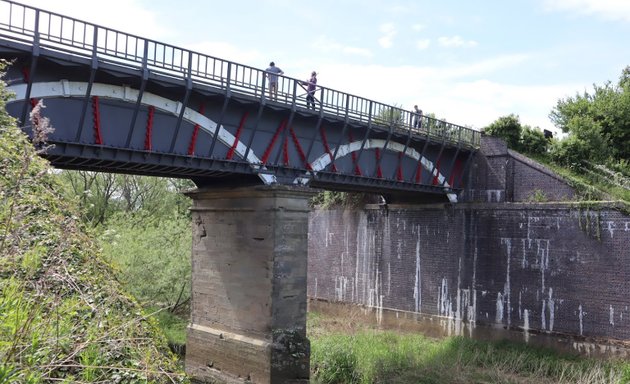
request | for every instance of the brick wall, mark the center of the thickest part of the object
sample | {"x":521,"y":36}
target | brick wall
{"x":538,"y":268}
{"x":502,"y":175}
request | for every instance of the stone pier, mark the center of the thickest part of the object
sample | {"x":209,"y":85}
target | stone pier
{"x":249,"y":261}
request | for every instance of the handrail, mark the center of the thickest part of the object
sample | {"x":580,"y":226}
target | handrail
{"x":23,"y":23}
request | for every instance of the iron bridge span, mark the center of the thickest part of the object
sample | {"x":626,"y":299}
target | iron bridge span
{"x":128,"y":104}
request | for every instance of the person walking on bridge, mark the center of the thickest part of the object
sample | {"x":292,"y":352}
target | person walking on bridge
{"x":272,"y":75}
{"x":310,"y":90}
{"x":417,"y":117}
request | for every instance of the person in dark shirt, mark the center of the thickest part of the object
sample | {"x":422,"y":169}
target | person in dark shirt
{"x":417,"y":117}
{"x":310,"y":90}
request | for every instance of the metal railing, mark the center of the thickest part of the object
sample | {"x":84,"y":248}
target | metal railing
{"x":53,"y":31}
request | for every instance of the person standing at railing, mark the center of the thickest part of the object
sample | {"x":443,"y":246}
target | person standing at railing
{"x":417,"y":117}
{"x":310,"y":90}
{"x":272,"y":75}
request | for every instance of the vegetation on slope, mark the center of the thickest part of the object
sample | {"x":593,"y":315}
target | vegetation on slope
{"x":63,"y":315}
{"x":594,"y":157}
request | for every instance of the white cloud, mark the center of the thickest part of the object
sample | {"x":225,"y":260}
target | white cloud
{"x":455,"y":41}
{"x":326,"y":45}
{"x":423,"y":44}
{"x":608,"y":9}
{"x":389,"y":31}
{"x":229,"y":52}
{"x":418,"y":27}
{"x":124,"y":15}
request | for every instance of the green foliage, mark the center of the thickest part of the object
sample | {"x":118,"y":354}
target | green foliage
{"x":63,"y":315}
{"x":390,"y":116}
{"x":607,"y":107}
{"x":585,"y":143}
{"x":522,"y":138}
{"x":538,"y":196}
{"x":101,"y":195}
{"x":506,"y":127}
{"x":174,"y":326}
{"x":532,"y":141}
{"x":151,"y":256}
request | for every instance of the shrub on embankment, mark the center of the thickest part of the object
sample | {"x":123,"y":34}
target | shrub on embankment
{"x":63,"y":316}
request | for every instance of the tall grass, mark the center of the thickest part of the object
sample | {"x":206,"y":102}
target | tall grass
{"x":379,"y":356}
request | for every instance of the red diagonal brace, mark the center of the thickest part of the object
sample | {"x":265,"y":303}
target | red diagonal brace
{"x":230,"y":153}
{"x":419,"y":171}
{"x":399,"y":172}
{"x":322,"y":132}
{"x":273,"y":142}
{"x":296,"y":142}
{"x":98,"y":138}
{"x":148,"y":134}
{"x":357,"y":169}
{"x":193,"y":139}
{"x":285,"y":151}
{"x":379,"y":172}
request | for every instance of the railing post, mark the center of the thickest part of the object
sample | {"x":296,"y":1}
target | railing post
{"x":293,"y":106}
{"x":227,"y":81}
{"x":263,"y":98}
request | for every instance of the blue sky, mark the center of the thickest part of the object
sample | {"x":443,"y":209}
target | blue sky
{"x":468,"y":62}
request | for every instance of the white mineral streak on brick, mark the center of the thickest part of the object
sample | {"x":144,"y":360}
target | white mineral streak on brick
{"x":444,"y":303}
{"x":499,"y":314}
{"x":542,"y":250}
{"x":581,"y":316}
{"x":526,"y":324}
{"x":387,"y":235}
{"x":543,"y":323}
{"x":506,"y":288}
{"x":612,"y":316}
{"x":341,"y":286}
{"x":611,"y":227}
{"x":417,"y":288}
{"x":472,"y":315}
{"x":389,"y":278}
{"x":551,"y":304}
{"x":493,"y":193}
{"x":519,"y":305}
{"x":524,"y":260}
{"x":368,"y":279}
{"x":459,"y":306}
{"x":316,"y":287}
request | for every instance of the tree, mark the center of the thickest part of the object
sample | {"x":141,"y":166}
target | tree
{"x":533,"y":141}
{"x":585,"y":143}
{"x":608,"y":106}
{"x":100,"y":194}
{"x":508,"y":128}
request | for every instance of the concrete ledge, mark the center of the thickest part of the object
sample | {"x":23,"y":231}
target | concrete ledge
{"x":212,"y":352}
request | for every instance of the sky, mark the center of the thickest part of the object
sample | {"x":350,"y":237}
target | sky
{"x":468,"y":62}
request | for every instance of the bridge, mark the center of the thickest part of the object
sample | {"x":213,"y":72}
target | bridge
{"x":127,"y":104}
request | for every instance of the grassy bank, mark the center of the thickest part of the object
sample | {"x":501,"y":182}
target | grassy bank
{"x":346,"y":351}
